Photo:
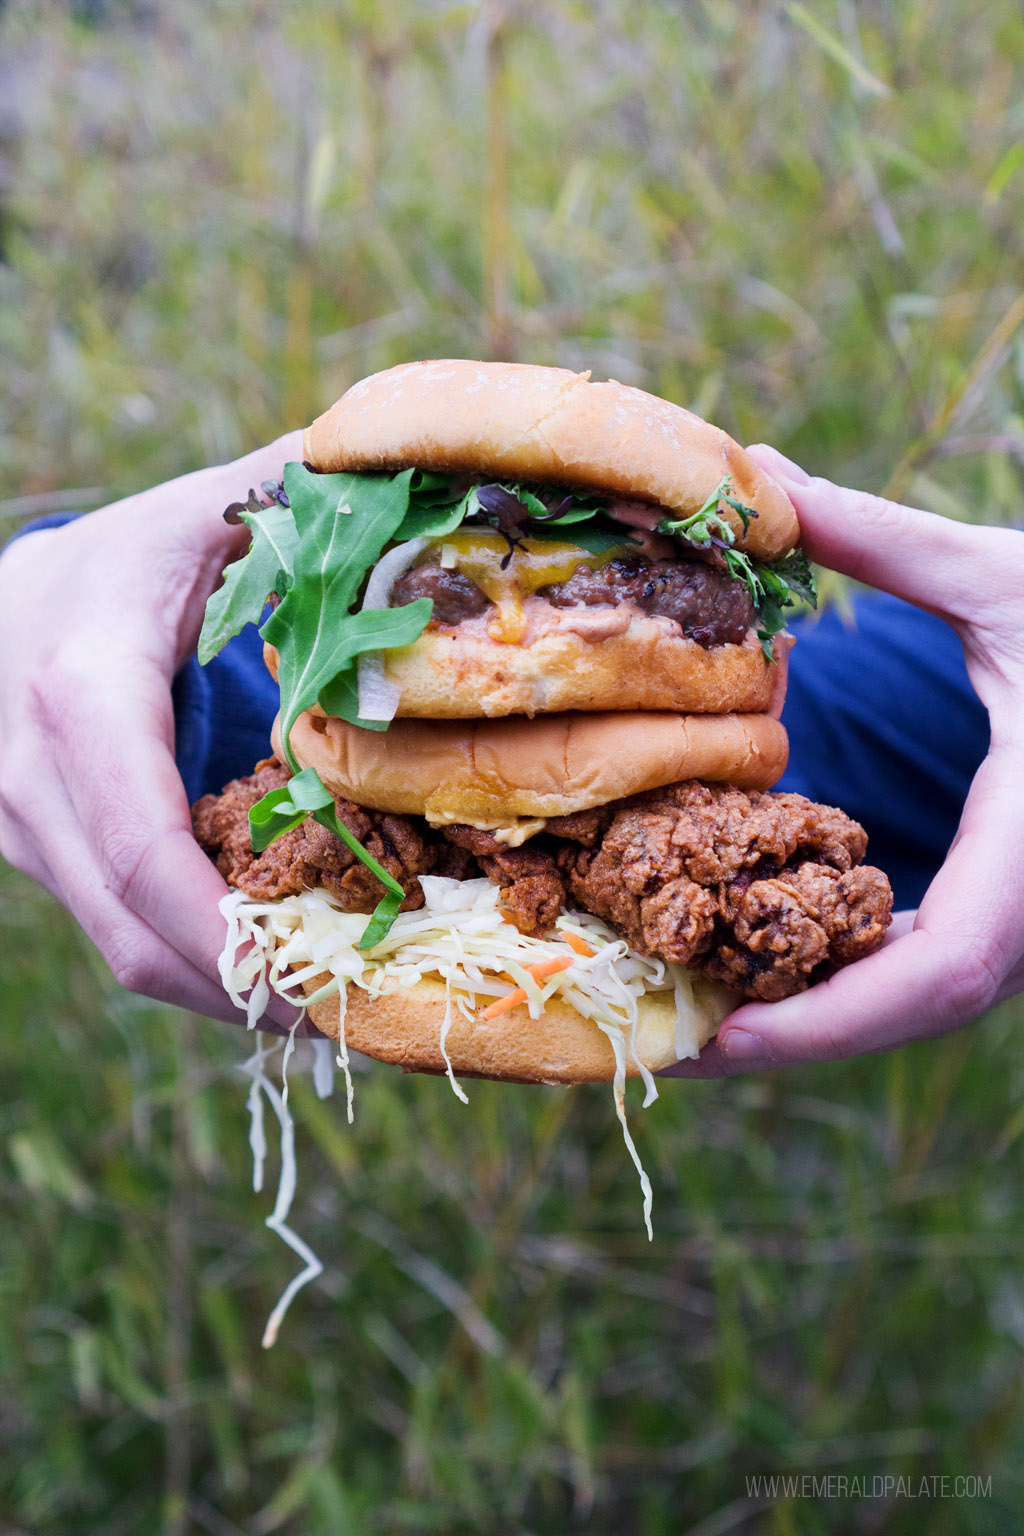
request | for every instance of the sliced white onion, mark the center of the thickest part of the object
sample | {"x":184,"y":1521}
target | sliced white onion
{"x":387,"y":571}
{"x":378,"y":698}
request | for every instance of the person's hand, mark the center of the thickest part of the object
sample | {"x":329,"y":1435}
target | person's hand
{"x":963,"y":950}
{"x":95,"y":619}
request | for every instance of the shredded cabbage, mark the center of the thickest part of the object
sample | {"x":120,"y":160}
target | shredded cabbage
{"x":277,"y":1221}
{"x":459,"y":937}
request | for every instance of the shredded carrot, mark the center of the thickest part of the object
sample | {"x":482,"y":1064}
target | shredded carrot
{"x":538,"y":972}
{"x":548,"y":967}
{"x":575,"y":942}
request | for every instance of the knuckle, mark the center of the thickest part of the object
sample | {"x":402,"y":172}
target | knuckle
{"x":53,"y":689}
{"x":832,"y":1045}
{"x":38,"y":693}
{"x":873,"y":514}
{"x":135,"y":964}
{"x":126,"y":861}
{"x":973,"y":980}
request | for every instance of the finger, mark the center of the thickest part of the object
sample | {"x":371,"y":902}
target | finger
{"x":710,"y":1063}
{"x":941,"y":565}
{"x":141,"y":960}
{"x":129,"y":802}
{"x":204,"y":493}
{"x":781,"y":647}
{"x":713,"y":1062}
{"x":128,"y":797}
{"x":249,"y":471}
{"x":963,"y":955}
{"x":188,"y":567}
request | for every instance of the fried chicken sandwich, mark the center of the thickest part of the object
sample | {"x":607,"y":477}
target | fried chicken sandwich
{"x":529,"y":635}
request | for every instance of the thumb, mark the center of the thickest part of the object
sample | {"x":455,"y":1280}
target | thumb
{"x":928,"y":560}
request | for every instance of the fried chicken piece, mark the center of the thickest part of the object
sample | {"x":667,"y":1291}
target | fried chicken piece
{"x":763,"y":892}
{"x":311,"y":855}
{"x":786,"y":929}
{"x":757,"y":890}
{"x":582,"y":826}
{"x":220,"y":824}
{"x":531,"y":889}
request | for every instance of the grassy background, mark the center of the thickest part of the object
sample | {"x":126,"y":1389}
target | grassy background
{"x":802,"y":220}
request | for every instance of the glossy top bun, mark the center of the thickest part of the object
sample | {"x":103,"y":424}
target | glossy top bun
{"x":552,"y":426}
{"x":491,"y":772}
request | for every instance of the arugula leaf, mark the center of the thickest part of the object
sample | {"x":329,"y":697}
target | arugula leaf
{"x":273,"y":816}
{"x":596,"y":536}
{"x":377,"y":629}
{"x":248,"y":582}
{"x":343,"y":522}
{"x":313,"y":547}
{"x":530,"y":500}
{"x":429,"y":485}
{"x":384,"y":914}
{"x":343,"y":695}
{"x":432,"y":519}
{"x":575,"y":514}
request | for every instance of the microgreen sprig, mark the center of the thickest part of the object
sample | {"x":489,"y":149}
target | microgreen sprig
{"x":773,"y":587}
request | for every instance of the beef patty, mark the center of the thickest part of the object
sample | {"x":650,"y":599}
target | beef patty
{"x":708,"y":604}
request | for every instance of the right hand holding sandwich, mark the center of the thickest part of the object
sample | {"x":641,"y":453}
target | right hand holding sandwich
{"x":963,"y":950}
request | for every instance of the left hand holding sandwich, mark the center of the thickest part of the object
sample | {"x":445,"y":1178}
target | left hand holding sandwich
{"x":95,"y":619}
{"x":963,"y":950}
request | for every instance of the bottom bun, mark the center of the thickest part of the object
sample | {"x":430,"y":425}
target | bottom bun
{"x":403,"y":1028}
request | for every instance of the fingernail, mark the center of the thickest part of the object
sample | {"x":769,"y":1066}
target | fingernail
{"x":741,"y":1045}
{"x":783,"y":468}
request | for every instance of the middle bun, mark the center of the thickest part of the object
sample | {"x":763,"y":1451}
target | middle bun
{"x":490,"y":772}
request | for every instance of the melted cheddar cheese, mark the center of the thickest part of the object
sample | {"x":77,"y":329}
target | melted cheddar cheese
{"x":478,"y":554}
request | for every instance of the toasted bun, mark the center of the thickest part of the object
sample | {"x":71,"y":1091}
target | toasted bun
{"x":448,"y":675}
{"x":549,"y":425}
{"x":488,"y":772}
{"x":403,"y":1028}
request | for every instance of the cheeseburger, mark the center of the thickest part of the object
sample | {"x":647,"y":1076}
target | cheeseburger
{"x":529,"y":635}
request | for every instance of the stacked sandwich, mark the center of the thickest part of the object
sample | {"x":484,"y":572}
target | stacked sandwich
{"x":530,"y":640}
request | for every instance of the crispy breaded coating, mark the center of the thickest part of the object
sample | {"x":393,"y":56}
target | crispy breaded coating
{"x":764,"y":892}
{"x":311,"y":855}
{"x":532,"y":891}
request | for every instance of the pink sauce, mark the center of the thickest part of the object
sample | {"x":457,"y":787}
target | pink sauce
{"x":636,"y":514}
{"x":592,"y":623}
